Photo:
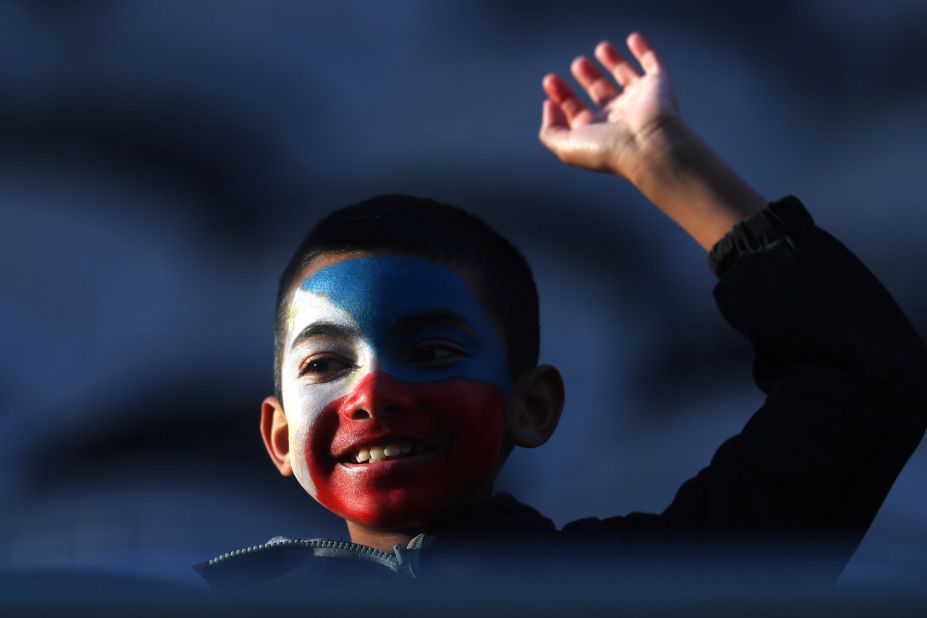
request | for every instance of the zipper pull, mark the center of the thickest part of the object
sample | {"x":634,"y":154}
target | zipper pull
{"x":403,"y":566}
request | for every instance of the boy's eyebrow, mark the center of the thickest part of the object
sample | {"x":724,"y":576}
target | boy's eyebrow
{"x":432,"y":318}
{"x":325,"y":329}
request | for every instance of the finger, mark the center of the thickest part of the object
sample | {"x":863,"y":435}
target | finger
{"x":644,"y":53}
{"x":616,"y":63}
{"x":599,"y":88}
{"x":555,"y":131}
{"x":552,"y":116}
{"x":561,"y":94}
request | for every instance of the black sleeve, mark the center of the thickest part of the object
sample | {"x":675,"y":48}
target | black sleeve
{"x":845,"y":378}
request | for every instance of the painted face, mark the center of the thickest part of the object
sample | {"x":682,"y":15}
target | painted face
{"x":395,"y":387}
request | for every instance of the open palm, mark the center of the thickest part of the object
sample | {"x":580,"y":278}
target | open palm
{"x":616,"y":136}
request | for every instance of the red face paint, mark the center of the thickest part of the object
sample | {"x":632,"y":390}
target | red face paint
{"x":458,"y":422}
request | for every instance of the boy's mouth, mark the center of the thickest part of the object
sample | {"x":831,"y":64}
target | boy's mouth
{"x":386,"y":451}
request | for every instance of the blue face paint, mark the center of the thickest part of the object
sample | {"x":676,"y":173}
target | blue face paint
{"x":399,"y":301}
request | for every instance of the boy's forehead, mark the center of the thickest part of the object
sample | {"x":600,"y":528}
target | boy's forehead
{"x":384,"y":262}
{"x":320,"y":262}
{"x":377,"y":289}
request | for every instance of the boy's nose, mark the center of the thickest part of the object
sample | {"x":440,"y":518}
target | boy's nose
{"x":377,"y":396}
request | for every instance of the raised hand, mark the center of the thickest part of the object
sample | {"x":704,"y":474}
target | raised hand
{"x":636,"y":133}
{"x":617,"y":136}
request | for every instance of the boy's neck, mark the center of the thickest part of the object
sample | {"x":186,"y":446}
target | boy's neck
{"x":384,"y":540}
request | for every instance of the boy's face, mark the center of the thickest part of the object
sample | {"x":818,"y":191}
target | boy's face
{"x":395,"y":387}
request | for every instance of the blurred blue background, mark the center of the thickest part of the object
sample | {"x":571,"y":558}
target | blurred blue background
{"x":159,"y":161}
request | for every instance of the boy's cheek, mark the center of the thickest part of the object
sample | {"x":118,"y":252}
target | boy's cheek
{"x":299,"y":461}
{"x":305,"y":406}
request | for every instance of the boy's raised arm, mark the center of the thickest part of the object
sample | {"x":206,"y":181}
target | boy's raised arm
{"x":638,"y":134}
{"x":843,"y":370}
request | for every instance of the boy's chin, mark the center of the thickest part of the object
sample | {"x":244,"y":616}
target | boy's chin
{"x":400,"y":521}
{"x":408,"y":510}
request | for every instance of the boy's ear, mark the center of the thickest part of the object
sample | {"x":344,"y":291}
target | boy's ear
{"x":276,"y":434}
{"x":537,"y":401}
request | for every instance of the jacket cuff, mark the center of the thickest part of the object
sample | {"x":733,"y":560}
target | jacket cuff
{"x":781,"y":221}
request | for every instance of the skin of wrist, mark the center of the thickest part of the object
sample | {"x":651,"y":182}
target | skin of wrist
{"x":681,"y":175}
{"x":661,"y":150}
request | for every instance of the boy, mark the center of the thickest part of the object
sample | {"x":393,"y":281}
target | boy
{"x":406,"y":370}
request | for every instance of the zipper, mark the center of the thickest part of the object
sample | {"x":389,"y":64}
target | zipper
{"x":399,"y":561}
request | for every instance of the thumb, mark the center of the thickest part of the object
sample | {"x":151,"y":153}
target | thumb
{"x":552,"y":115}
{"x":554,"y":127}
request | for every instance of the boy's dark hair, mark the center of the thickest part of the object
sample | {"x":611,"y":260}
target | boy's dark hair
{"x":425,"y":228}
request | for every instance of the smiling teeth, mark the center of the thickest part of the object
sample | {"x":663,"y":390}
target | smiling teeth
{"x":379,"y":453}
{"x":392,"y":450}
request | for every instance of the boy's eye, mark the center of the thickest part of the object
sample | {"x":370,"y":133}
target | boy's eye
{"x":435,"y":353}
{"x":324,"y":367}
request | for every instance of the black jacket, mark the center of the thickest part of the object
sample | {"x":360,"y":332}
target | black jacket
{"x":789,"y":498}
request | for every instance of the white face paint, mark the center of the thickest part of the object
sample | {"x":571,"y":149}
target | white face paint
{"x":304,"y":398}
